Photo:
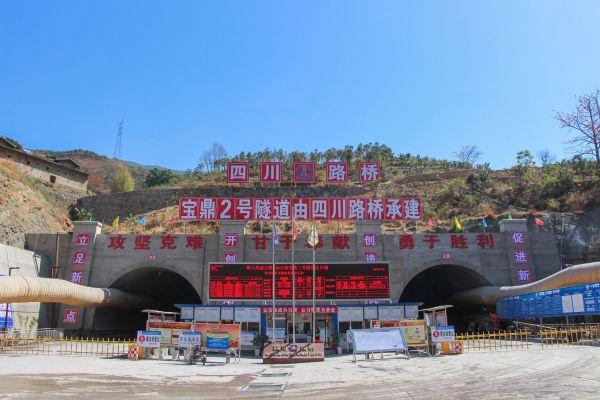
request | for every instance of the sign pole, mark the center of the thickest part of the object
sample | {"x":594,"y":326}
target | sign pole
{"x":314,"y":292}
{"x":273,"y":251}
{"x":293,"y":281}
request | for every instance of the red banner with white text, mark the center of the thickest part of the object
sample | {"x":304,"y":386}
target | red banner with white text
{"x":300,"y":209}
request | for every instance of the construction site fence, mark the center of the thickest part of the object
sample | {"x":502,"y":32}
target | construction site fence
{"x":550,"y":337}
{"x":108,"y":348}
{"x":51,"y":333}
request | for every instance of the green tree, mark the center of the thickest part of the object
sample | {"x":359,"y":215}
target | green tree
{"x":121,"y":181}
{"x":160,"y":176}
{"x":523,"y":167}
{"x":81,"y":214}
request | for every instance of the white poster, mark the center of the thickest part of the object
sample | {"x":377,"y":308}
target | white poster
{"x":397,"y":313}
{"x":247,"y":339}
{"x":411,"y":312}
{"x":567,"y":304}
{"x":200,"y":314}
{"x":187,"y":313}
{"x":391,"y":313}
{"x":227,"y":313}
{"x":577,"y":300}
{"x":346,"y":314}
{"x":343,"y":314}
{"x":207,"y":314}
{"x":247,"y":314}
{"x":384,"y":314}
{"x":374,"y":340}
{"x":371,"y":313}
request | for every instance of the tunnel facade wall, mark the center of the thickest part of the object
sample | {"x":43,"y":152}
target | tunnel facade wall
{"x":108,"y":257}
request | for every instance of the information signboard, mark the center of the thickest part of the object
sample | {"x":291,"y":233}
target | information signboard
{"x":572,"y":300}
{"x":148,"y":339}
{"x":415,"y":331}
{"x":217,"y":336}
{"x":377,"y":340}
{"x":343,"y":281}
{"x":290,"y":353}
{"x":247,"y":339}
{"x":169,"y":330}
{"x":442,"y":334}
{"x":190,"y":339}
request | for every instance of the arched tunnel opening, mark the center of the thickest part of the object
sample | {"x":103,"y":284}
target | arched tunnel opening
{"x":436,"y":285}
{"x":166,"y":287}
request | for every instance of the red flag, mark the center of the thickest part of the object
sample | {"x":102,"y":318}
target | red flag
{"x":539,"y":222}
{"x":63,"y":222}
{"x":170,"y":221}
{"x":430,"y":223}
{"x":294,"y":231}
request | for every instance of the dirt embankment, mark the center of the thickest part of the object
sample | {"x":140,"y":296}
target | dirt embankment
{"x":27,"y":206}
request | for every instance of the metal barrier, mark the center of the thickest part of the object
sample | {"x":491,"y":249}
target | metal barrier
{"x":584,"y":335}
{"x":503,"y":340}
{"x":108,"y":348}
{"x":51,"y":333}
{"x":571,"y":336}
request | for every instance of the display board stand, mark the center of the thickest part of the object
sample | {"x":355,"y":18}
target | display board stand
{"x":371,"y":341}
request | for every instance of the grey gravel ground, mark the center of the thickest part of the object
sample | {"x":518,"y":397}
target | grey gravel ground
{"x":563,"y":373}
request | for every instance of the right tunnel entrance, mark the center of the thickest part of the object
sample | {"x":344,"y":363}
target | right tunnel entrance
{"x":437,"y":284}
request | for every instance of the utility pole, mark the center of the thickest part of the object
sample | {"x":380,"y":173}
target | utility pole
{"x":118,"y":153}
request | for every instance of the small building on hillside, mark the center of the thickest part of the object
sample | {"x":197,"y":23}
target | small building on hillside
{"x":55,"y":171}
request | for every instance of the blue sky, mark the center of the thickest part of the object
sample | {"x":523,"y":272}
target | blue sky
{"x":421,"y":77}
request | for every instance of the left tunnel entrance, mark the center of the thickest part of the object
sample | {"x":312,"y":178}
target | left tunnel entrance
{"x":164,"y":286}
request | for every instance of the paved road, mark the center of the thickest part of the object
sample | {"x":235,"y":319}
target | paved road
{"x":572,"y":373}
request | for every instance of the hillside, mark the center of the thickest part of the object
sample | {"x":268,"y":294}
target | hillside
{"x":27,"y":206}
{"x":94,"y":163}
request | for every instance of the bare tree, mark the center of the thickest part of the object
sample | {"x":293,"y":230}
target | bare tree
{"x":584,"y":123}
{"x":214,"y":157}
{"x":546,"y":157}
{"x":219,"y":155}
{"x":468,"y":154}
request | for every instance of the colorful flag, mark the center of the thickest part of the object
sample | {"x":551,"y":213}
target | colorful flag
{"x":141,"y":220}
{"x":430,"y":223}
{"x":295,"y":231}
{"x":509,"y":216}
{"x":313,"y":236}
{"x":539,"y":222}
{"x":115,"y":222}
{"x":275,"y":236}
{"x":484,"y":223}
{"x":63,"y":222}
{"x":457,"y":225}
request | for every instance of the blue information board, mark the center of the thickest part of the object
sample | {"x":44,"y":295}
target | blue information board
{"x":572,"y":300}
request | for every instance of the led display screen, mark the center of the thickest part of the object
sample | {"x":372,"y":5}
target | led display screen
{"x":254,"y":281}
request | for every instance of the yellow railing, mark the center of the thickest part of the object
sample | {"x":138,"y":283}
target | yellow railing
{"x":502,"y":340}
{"x":68,"y":347}
{"x":584,"y":335}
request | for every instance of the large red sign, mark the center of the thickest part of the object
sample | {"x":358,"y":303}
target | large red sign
{"x":253,"y":281}
{"x":304,"y":172}
{"x":300,"y":209}
{"x":270,"y":172}
{"x":238,"y":172}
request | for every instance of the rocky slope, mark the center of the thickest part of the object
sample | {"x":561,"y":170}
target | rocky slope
{"x":27,"y":206}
